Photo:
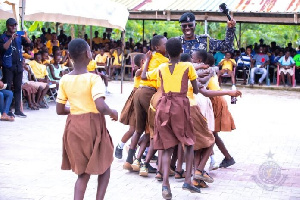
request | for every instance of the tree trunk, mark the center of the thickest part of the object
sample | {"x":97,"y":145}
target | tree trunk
{"x":72,"y":30}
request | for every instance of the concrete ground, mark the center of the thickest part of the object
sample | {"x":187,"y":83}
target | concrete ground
{"x":265,"y":146}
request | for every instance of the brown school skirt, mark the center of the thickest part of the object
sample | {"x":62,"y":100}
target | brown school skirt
{"x":87,"y":145}
{"x":173,"y":124}
{"x":204,"y":137}
{"x":223,"y":118}
{"x":152,"y":111}
{"x":127,"y":116}
{"x":141,"y":102}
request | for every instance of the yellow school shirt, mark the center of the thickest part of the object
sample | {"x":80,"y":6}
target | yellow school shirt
{"x":48,"y":36}
{"x":227,"y":64}
{"x":50,"y":45}
{"x":136,"y":81}
{"x":26,"y":56}
{"x":92,"y":66}
{"x":39,"y":70}
{"x":191,"y":96}
{"x":213,"y":83}
{"x":116,"y":61}
{"x":45,"y":62}
{"x":156,"y":60}
{"x":101,"y":59}
{"x":35,"y":50}
{"x":172,"y":82}
{"x":97,"y":40}
{"x":81,"y":91}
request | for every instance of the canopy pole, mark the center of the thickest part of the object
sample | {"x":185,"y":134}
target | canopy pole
{"x":123,"y":59}
{"x":205,"y":26}
{"x":22,"y":15}
{"x":240,"y":33}
{"x":143,"y":30}
{"x":91,"y":37}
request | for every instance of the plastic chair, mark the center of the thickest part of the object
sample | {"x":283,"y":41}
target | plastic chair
{"x":293,"y":77}
{"x":227,"y":75}
{"x":131,"y":66}
{"x":241,"y":70}
{"x":267,"y":77}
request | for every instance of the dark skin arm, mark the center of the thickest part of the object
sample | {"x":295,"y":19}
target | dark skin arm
{"x":138,"y":72}
{"x":195,"y":87}
{"x":144,"y":73}
{"x":103,"y":108}
{"x":265,"y":64}
{"x":213,"y":93}
{"x":61,"y":109}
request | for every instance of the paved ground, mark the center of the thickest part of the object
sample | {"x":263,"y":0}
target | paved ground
{"x":267,"y":121}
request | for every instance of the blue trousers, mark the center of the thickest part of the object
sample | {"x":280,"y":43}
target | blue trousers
{"x":6,"y":97}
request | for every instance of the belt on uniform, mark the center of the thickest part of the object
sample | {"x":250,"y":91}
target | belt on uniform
{"x":151,"y":88}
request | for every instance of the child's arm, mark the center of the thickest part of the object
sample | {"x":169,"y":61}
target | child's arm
{"x":214,"y":93}
{"x":200,"y":66}
{"x":195,"y":86}
{"x":105,"y":110}
{"x":61,"y":109}
{"x":138,"y":72}
{"x":148,"y":58}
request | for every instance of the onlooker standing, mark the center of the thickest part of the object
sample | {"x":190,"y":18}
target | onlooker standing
{"x":11,"y":53}
{"x":297,"y":61}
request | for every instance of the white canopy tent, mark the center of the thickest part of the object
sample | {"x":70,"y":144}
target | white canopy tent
{"x":89,"y":12}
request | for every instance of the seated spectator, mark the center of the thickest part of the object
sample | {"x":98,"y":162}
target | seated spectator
{"x":92,"y":68}
{"x":48,"y":35}
{"x":227,"y":65}
{"x":101,"y":58}
{"x":41,"y":87}
{"x":39,"y":70}
{"x":29,"y":89}
{"x":6,"y":97}
{"x":259,"y":64}
{"x":45,"y":58}
{"x":286,"y":64}
{"x":28,"y":54}
{"x":297,"y":62}
{"x":244,"y":62}
{"x":96,"y":41}
{"x":55,"y":69}
{"x":117,"y":55}
{"x":51,"y":43}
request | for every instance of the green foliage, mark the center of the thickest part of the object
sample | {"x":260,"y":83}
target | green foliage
{"x":251,"y":33}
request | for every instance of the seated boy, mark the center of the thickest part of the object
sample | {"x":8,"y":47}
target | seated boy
{"x":227,"y":65}
{"x":101,"y":59}
{"x":258,"y":64}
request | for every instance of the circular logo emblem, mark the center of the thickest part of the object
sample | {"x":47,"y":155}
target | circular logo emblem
{"x":269,"y":172}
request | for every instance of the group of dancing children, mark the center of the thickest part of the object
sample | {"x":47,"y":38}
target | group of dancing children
{"x":175,"y":108}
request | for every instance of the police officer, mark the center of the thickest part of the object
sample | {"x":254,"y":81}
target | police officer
{"x":11,"y":53}
{"x":191,"y":42}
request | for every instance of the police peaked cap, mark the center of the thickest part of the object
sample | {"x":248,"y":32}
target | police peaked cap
{"x":187,"y":17}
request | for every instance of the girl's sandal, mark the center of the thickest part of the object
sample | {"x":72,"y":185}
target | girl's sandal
{"x":179,"y":175}
{"x":159,"y":176}
{"x":7,"y":118}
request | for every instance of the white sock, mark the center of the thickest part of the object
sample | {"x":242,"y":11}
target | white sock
{"x":121,"y":145}
{"x":106,"y":89}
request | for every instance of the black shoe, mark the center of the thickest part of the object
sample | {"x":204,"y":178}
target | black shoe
{"x":143,"y":157}
{"x":150,"y":168}
{"x":227,"y":162}
{"x":153,"y":159}
{"x":190,"y":188}
{"x":20,"y":114}
{"x":118,"y":152}
{"x":11,"y":114}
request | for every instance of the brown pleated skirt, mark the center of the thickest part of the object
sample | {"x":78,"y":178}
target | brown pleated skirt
{"x":173,"y":124}
{"x":204,"y":137}
{"x":87,"y":145}
{"x":127,"y":116}
{"x":223,"y":118}
{"x":152,"y":111}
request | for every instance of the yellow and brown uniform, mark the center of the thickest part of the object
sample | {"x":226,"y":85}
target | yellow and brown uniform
{"x":87,"y":145}
{"x":145,"y":92}
{"x":173,"y":124}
